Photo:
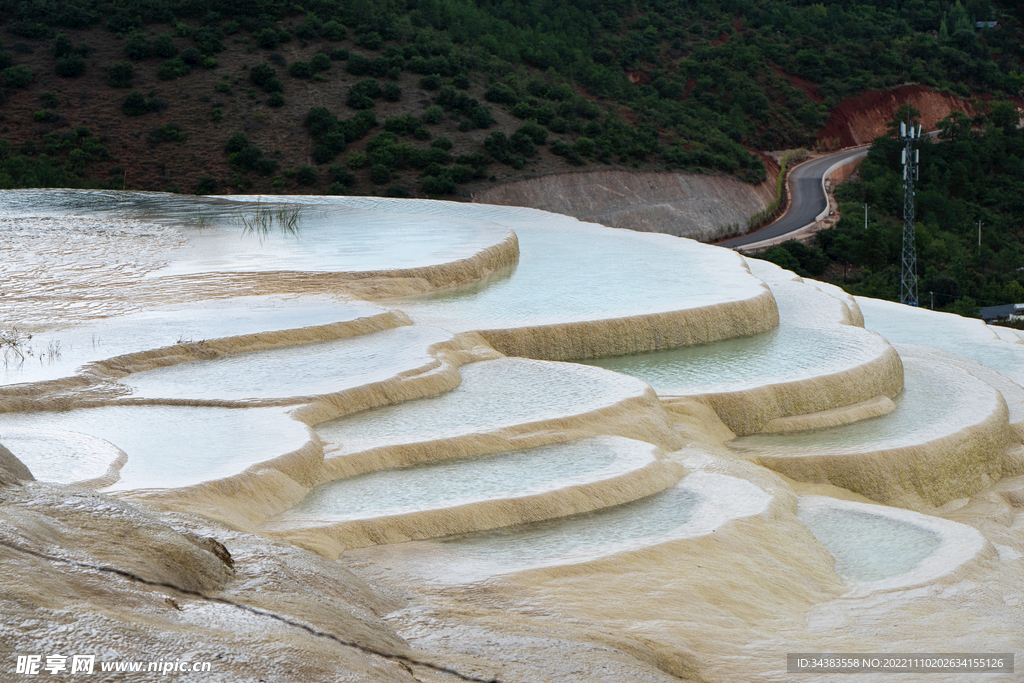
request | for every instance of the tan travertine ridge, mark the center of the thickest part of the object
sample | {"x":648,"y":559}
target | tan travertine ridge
{"x":749,"y":529}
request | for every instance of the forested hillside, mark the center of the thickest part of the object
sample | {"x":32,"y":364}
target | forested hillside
{"x":969,"y":219}
{"x":430,"y":97}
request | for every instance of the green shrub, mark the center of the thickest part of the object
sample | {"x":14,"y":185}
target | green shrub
{"x":391,"y":92}
{"x":300,"y":70}
{"x":276,"y":99}
{"x":371,"y":40}
{"x":62,"y":46}
{"x":437,"y":185}
{"x":306,"y":175}
{"x":71,"y":66}
{"x":137,"y":47}
{"x":431,"y":82}
{"x":120,"y":74}
{"x":356,"y":160}
{"x":173,"y":68}
{"x":264,"y":76}
{"x":45,"y":116}
{"x":332,"y":30}
{"x":236,"y":143}
{"x":206,"y":185}
{"x":169,"y":132}
{"x":163,"y":46}
{"x":50,"y":99}
{"x":17,"y":76}
{"x":320,"y":62}
{"x":501,"y":93}
{"x":223,"y":88}
{"x":135,"y":105}
{"x":341,"y":175}
{"x":192,"y":57}
{"x":433,"y":115}
{"x":380,"y":174}
{"x":268,"y":38}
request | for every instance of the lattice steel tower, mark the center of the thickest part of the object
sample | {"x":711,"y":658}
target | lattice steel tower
{"x":908,"y":282}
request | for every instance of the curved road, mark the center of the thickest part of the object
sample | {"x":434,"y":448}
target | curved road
{"x":807,"y":199}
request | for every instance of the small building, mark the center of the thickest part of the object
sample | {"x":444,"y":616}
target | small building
{"x":986,"y":24}
{"x":991,"y":314}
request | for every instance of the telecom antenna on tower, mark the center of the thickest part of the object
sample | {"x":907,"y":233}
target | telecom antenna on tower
{"x":908,"y":282}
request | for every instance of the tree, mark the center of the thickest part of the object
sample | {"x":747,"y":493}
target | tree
{"x":905,"y":113}
{"x":956,"y":126}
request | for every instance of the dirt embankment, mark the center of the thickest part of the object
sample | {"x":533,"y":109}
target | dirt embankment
{"x":701,"y":207}
{"x":859,"y":120}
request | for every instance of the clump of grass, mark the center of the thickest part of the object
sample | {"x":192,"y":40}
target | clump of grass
{"x":14,"y":345}
{"x":262,"y":221}
{"x":201,"y":220}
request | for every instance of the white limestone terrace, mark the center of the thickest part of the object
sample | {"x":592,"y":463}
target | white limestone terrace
{"x":572,"y":272}
{"x":460,"y":481}
{"x":331,"y":237}
{"x":66,"y":457}
{"x":944,"y":440}
{"x":493,"y":394}
{"x":695,"y":507}
{"x":463,"y":494}
{"x":817,"y":359}
{"x":965,"y":337}
{"x":61,"y":351}
{"x":166,"y":446}
{"x":787,"y":354}
{"x":880,"y":548}
{"x":304,"y":370}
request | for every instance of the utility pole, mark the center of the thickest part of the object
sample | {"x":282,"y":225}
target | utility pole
{"x":979,"y":234}
{"x":865,"y":217}
{"x":908,"y":280}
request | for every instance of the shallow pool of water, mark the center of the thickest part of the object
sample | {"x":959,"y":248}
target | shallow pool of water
{"x":173,"y":446}
{"x":60,"y":352}
{"x":938,"y":400}
{"x":569,"y":272}
{"x":464,"y":480}
{"x":965,"y":337}
{"x":870,"y":547}
{"x":696,"y":506}
{"x":305,"y":370}
{"x":61,"y":456}
{"x":786,"y":354}
{"x":493,"y":394}
{"x":653,"y":516}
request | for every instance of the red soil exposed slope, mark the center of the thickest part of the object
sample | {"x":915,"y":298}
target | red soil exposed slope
{"x":859,"y":120}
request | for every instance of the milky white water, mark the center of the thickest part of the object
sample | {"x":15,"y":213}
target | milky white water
{"x":786,"y":354}
{"x":61,"y":351}
{"x":459,"y":481}
{"x":966,"y":337}
{"x":870,"y":547}
{"x":493,"y":394}
{"x":938,"y":400}
{"x":304,"y":370}
{"x":172,"y":446}
{"x":694,"y":507}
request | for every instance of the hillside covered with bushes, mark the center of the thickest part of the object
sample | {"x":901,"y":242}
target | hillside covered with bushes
{"x":969,"y":219}
{"x":434,"y":97}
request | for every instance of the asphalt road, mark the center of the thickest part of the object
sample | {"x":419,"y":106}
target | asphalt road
{"x":807,"y":198}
